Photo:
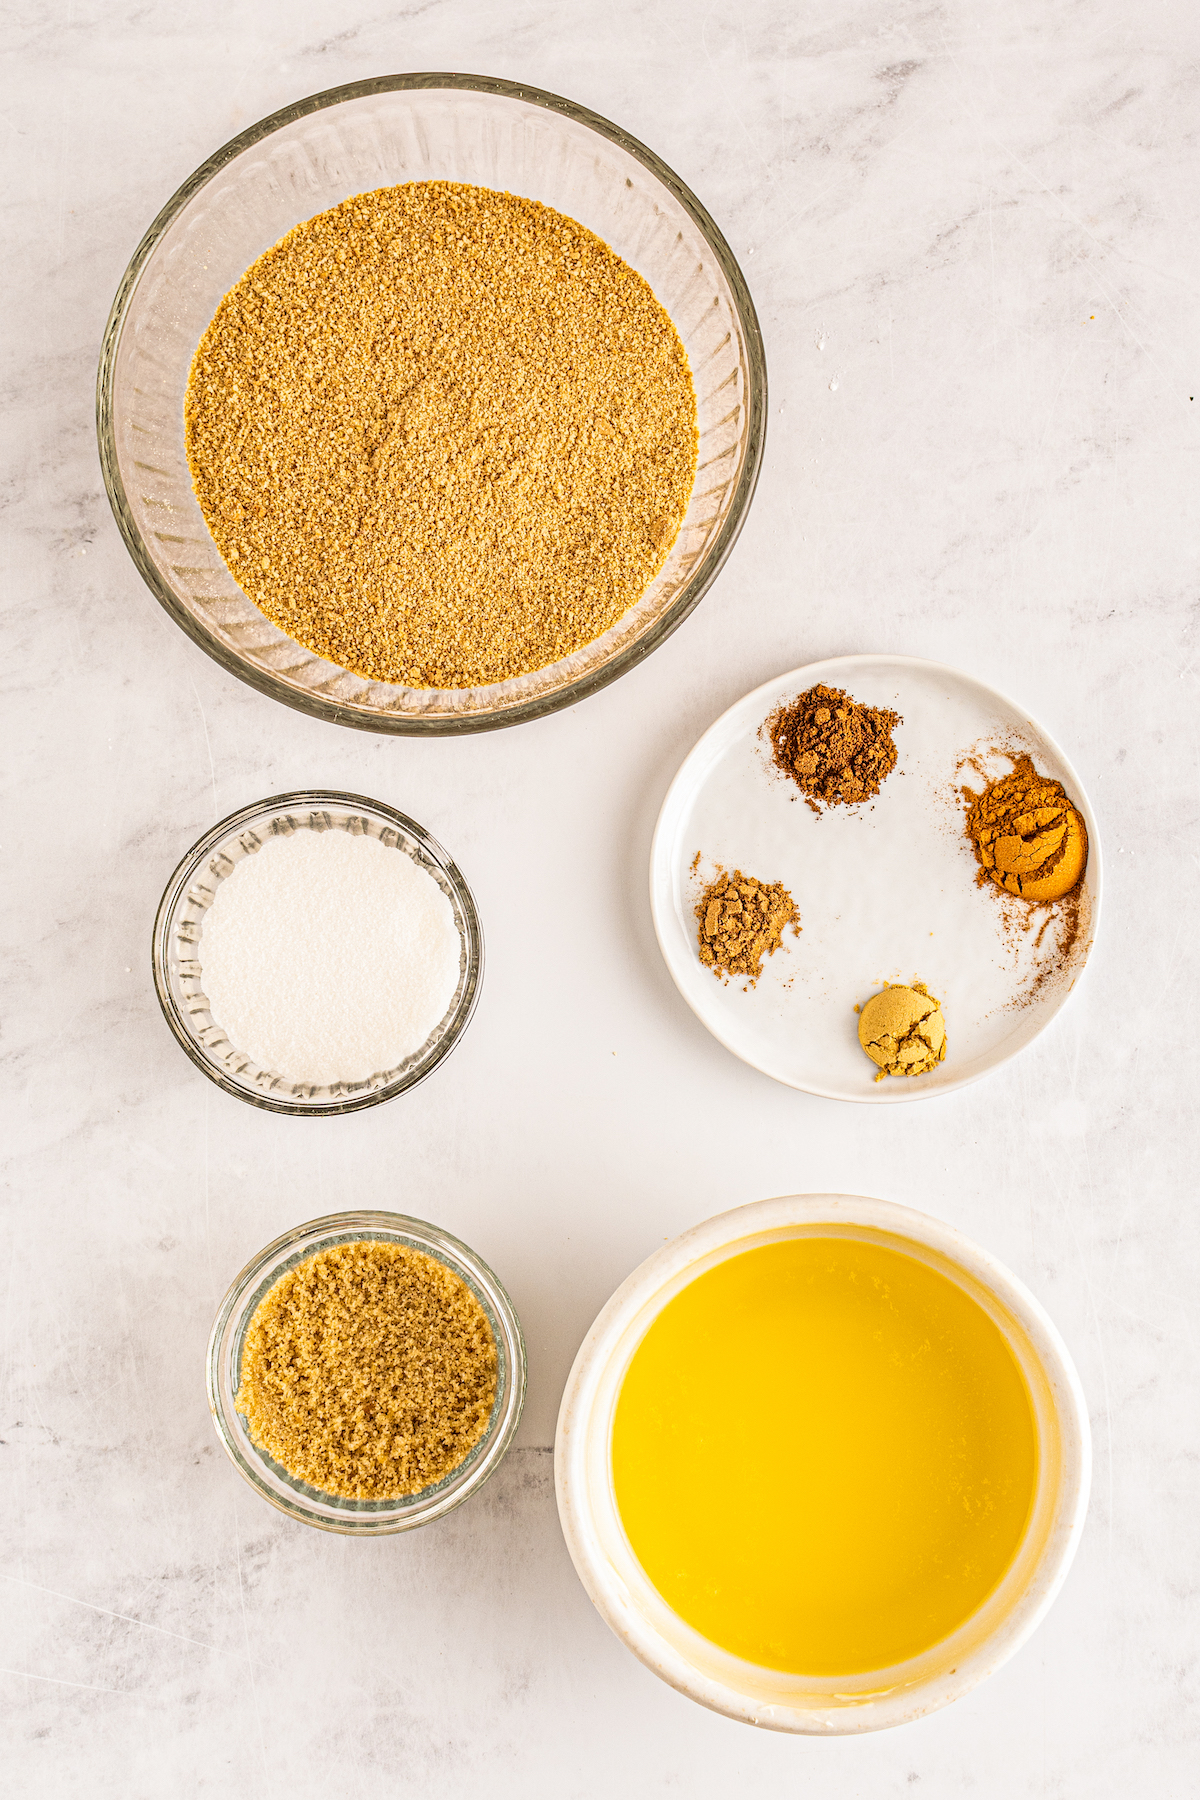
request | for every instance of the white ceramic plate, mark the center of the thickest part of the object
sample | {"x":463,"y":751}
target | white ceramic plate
{"x":886,"y":890}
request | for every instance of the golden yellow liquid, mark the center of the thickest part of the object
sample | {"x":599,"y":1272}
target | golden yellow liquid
{"x":824,"y":1455}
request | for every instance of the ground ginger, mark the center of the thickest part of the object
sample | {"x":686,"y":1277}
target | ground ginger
{"x":741,"y":921}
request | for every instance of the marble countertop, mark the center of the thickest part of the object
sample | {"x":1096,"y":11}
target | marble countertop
{"x":970,"y":234}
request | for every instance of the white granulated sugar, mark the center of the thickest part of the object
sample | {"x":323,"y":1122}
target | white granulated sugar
{"x":327,"y":957}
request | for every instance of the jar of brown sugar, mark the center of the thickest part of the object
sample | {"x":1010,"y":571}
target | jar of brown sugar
{"x":366,"y":1372}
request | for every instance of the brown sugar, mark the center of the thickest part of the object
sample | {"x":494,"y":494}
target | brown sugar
{"x":741,"y":920}
{"x":368,"y":1371}
{"x":835,"y":750}
{"x":442,"y":436}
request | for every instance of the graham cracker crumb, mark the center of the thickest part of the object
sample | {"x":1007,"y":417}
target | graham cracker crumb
{"x":442,"y":436}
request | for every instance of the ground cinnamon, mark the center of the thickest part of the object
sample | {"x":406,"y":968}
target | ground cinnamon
{"x":1027,"y":835}
{"x":1030,"y":843}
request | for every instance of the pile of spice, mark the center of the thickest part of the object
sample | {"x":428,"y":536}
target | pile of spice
{"x":368,"y":1371}
{"x":1027,"y":835}
{"x":742,"y":920}
{"x":836,"y":751}
{"x":902,"y":1030}
{"x":329,"y":957}
{"x":442,"y":436}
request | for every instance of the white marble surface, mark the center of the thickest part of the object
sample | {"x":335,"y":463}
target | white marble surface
{"x":970,"y":231}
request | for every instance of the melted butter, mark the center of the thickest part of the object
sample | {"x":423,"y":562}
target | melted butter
{"x":824,"y":1455}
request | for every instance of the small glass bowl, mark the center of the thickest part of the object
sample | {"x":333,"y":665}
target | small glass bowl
{"x":179,"y":924}
{"x":328,"y":1512}
{"x":313,"y":155}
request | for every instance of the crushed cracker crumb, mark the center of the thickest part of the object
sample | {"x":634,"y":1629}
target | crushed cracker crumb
{"x":443,"y":436}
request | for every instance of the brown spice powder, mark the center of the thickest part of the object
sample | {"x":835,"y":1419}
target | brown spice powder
{"x":742,"y":920}
{"x":368,"y":1371}
{"x":1056,"y":925}
{"x":441,"y":435}
{"x":1060,"y":924}
{"x":836,"y":751}
{"x":1026,"y":834}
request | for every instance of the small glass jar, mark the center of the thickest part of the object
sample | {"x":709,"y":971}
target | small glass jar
{"x":330,"y":1512}
{"x":178,"y":929}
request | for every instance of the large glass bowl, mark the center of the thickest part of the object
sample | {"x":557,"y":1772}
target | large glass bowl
{"x":313,"y":155}
{"x":329,"y":1512}
{"x":178,"y":963}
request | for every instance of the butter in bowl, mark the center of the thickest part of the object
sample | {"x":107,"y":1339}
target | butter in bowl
{"x":822,"y":1464}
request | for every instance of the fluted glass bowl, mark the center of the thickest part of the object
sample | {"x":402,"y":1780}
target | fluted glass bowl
{"x":329,"y":1512}
{"x":177,"y":948}
{"x":313,"y":155}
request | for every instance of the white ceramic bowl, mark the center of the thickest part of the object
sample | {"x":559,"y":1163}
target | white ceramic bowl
{"x":636,"y":1611}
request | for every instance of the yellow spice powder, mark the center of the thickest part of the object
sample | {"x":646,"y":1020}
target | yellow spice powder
{"x":369,"y":1371}
{"x":903,"y":1029}
{"x":442,"y":436}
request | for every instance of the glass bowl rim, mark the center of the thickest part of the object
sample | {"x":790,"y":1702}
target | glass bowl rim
{"x":689,"y":595}
{"x":246,"y":815}
{"x":510,"y":1348}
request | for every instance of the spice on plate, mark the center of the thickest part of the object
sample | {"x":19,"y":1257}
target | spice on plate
{"x":1027,"y":835}
{"x":836,"y":751}
{"x":369,"y":1371}
{"x":442,"y":436}
{"x":327,"y":956}
{"x":902,"y":1029}
{"x":742,"y":920}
